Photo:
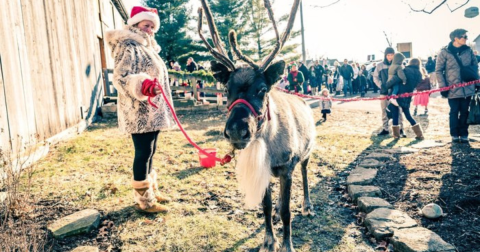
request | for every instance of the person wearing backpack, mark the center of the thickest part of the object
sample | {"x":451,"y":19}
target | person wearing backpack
{"x":450,"y":70}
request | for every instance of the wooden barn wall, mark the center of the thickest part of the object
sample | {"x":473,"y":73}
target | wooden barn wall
{"x":50,"y":66}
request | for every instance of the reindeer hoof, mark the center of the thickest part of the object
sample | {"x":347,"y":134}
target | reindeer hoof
{"x":307,"y":210}
{"x":287,"y":248}
{"x":270,"y":244}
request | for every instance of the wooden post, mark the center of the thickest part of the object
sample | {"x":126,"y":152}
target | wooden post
{"x":194,"y":86}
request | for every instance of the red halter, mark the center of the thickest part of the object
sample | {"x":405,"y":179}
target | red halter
{"x":245,"y":102}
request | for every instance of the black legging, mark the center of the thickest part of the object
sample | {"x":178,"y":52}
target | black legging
{"x":145,"y":145}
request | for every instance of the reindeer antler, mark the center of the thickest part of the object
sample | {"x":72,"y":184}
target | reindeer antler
{"x":220,"y":52}
{"x":285,"y":35}
{"x":232,"y":36}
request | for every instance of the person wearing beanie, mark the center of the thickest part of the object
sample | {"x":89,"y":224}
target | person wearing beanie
{"x":142,"y":112}
{"x":448,"y":73}
{"x":380,"y":77}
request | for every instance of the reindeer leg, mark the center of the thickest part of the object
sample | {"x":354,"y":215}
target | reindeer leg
{"x":285,"y":191}
{"x":276,"y":216}
{"x":307,"y":208}
{"x":270,"y":242}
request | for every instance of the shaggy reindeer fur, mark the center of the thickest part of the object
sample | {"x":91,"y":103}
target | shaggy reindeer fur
{"x":275,"y":141}
{"x":286,"y":139}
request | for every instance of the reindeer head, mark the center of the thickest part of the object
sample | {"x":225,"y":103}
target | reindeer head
{"x":247,"y":87}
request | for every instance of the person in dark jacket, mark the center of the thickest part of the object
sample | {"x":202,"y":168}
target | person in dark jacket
{"x":319,"y":72}
{"x":347,"y":73}
{"x":306,"y":76}
{"x":380,"y":77}
{"x":191,"y":65}
{"x":448,"y":73}
{"x":430,"y":67}
{"x":413,"y":76}
{"x":362,"y":80}
{"x":313,"y":81}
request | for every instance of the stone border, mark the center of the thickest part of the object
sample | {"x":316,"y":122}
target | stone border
{"x":382,"y":220}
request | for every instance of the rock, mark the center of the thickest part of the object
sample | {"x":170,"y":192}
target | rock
{"x":379,"y":156}
{"x":432,"y":211}
{"x":77,"y":223}
{"x":382,"y":222}
{"x":357,"y":191}
{"x":419,"y":239}
{"x":361,"y":176}
{"x":475,"y":138}
{"x":401,"y":150}
{"x":368,"y":204}
{"x":85,"y":249}
{"x":426,"y":144}
{"x":372,"y":163}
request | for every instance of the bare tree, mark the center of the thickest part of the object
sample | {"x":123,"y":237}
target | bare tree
{"x":438,"y":6}
{"x":324,"y":6}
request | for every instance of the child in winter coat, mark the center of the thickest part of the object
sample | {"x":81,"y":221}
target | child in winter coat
{"x":326,"y":104}
{"x":396,"y":69}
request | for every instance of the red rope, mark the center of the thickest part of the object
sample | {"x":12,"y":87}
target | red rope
{"x":386,"y":97}
{"x":226,"y":159}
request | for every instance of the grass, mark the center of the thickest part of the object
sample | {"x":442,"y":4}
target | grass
{"x":93,"y":170}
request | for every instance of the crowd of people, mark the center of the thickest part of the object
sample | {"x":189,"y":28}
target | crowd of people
{"x":393,"y":76}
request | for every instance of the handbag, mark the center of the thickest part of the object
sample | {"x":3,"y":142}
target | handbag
{"x":474,"y":113}
{"x":468,"y":73}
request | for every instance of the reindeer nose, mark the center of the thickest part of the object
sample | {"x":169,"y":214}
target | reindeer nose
{"x":236,"y":134}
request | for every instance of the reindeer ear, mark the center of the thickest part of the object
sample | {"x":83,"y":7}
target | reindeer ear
{"x":220,"y":72}
{"x":273,"y":72}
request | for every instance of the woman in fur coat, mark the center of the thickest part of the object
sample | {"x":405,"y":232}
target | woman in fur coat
{"x":142,"y":111}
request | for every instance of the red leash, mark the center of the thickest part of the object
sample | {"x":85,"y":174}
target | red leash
{"x":226,"y":159}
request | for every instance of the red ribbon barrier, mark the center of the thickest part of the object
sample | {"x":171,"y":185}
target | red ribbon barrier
{"x":388,"y":96}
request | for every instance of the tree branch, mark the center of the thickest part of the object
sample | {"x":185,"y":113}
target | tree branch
{"x":438,"y":6}
{"x":466,"y":2}
{"x":325,"y":6}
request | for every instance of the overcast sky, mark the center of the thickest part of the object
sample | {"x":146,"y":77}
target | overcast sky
{"x":355,"y":28}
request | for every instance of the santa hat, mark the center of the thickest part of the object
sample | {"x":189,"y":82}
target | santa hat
{"x":140,"y":13}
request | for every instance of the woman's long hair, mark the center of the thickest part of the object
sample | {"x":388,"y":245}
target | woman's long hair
{"x":417,"y":62}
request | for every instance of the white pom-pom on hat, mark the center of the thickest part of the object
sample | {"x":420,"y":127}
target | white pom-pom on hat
{"x":140,"y":13}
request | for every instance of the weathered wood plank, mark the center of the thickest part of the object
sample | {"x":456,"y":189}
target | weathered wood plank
{"x":11,"y":36}
{"x":46,"y":116}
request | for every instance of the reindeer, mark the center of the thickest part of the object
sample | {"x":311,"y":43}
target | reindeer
{"x":274,"y":130}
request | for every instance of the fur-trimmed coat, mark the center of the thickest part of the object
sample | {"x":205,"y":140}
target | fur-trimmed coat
{"x":136,"y":59}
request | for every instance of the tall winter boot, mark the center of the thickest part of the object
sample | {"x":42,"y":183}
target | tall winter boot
{"x":396,"y":132}
{"x":144,"y":197}
{"x":417,"y":128}
{"x":160,"y":198}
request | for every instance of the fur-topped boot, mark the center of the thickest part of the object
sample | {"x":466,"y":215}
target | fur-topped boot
{"x":417,"y":128}
{"x":144,"y":197}
{"x":396,"y":132}
{"x":160,"y":198}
